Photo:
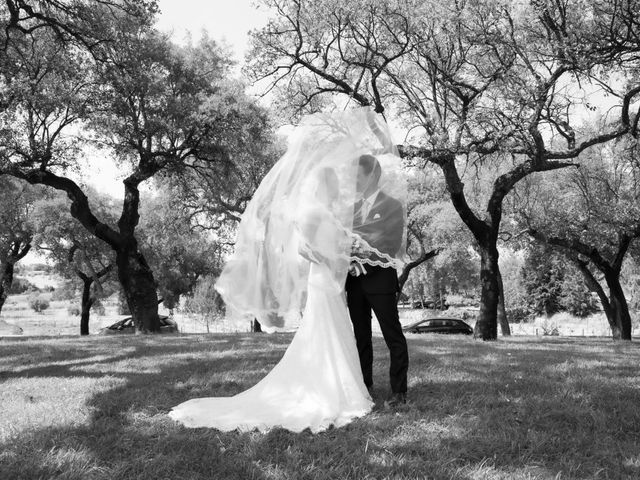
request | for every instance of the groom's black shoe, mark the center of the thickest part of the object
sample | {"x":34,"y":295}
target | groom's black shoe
{"x":396,"y":399}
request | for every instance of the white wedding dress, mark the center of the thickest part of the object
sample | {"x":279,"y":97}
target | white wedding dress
{"x":293,"y":250}
{"x":316,"y":384}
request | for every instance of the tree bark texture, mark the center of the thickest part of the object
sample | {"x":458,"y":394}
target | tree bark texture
{"x":18,"y":251}
{"x":5,"y":282}
{"x":139,"y":289}
{"x":618,"y":313}
{"x":486,"y":326}
{"x":503,"y":320}
{"x":87,"y":303}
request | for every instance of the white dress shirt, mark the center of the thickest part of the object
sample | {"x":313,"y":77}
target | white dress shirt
{"x":367,"y":203}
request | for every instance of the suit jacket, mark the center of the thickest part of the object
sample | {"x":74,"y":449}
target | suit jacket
{"x":387,"y":217}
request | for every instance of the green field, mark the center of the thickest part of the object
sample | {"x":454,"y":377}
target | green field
{"x":520,"y":408}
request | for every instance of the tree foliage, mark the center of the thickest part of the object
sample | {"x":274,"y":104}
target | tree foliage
{"x":153,"y":105}
{"x":473,"y":82}
{"x":77,"y":255}
{"x":205,"y":302}
{"x":592,"y":215}
{"x":179,"y":253}
{"x":16,"y":229}
{"x":554,"y":285}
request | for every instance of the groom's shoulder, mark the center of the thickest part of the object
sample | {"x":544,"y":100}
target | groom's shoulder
{"x":391,"y":202}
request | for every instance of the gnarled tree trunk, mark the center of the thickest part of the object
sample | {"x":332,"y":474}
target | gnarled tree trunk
{"x":5,"y":282}
{"x":18,"y":251}
{"x":618,"y":313}
{"x":85,"y":308}
{"x":139,"y":287}
{"x":503,"y":320}
{"x":134,"y":273}
{"x":486,"y":325}
{"x":615,"y":306}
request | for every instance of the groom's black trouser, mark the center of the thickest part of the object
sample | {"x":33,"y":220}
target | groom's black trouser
{"x":361,"y":301}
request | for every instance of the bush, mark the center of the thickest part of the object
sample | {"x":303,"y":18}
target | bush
{"x":458,"y":312}
{"x":550,"y":328}
{"x":73,"y":310}
{"x":21,"y":285}
{"x":38,"y":304}
{"x":543,"y":273}
{"x":205,"y":301}
{"x":553,"y":285}
{"x":66,"y":292}
{"x":576,"y":297}
{"x":98,"y":308}
{"x":462,"y":300}
{"x":518,"y":314}
{"x":40,"y":267}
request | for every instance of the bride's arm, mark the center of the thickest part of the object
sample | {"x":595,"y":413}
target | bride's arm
{"x":319,"y":234}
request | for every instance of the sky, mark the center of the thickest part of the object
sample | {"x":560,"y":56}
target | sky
{"x":224,"y":20}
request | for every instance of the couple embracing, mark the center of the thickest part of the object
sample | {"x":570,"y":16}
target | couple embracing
{"x":319,"y":246}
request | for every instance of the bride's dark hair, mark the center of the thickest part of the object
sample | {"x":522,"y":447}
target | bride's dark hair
{"x":328,"y":183}
{"x":369,"y":164}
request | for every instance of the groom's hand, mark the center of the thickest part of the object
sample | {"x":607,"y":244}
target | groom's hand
{"x":355,"y":269}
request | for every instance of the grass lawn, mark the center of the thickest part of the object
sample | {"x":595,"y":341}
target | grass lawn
{"x":520,"y":408}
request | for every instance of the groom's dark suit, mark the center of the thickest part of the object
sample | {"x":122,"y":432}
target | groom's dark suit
{"x":376,"y":290}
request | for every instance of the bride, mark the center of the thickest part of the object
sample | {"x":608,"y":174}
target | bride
{"x":295,"y":245}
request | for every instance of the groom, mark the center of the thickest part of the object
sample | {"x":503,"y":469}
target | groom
{"x":378,"y":219}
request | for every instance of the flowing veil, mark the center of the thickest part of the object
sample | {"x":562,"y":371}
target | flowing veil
{"x":305,"y":212}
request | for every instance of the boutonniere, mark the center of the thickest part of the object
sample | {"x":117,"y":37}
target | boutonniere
{"x":376,"y":216}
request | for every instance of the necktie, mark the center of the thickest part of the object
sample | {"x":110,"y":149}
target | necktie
{"x":358,"y":219}
{"x":366,"y":208}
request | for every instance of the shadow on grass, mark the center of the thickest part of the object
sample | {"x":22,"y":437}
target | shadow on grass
{"x":509,"y":409}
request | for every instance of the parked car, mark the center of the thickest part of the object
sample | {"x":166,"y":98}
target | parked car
{"x":440,"y":304}
{"x":167,"y":325}
{"x":439,"y":325}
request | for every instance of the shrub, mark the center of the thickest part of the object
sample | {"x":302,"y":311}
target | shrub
{"x":40,"y":267}
{"x":73,"y":310}
{"x":66,"y":292}
{"x":21,"y":285}
{"x":518,"y":314}
{"x":38,"y":304}
{"x":550,"y":328}
{"x":543,"y":275}
{"x":458,"y":312}
{"x":205,"y":301}
{"x":553,"y":285}
{"x":98,"y":308}
{"x":576,"y":297}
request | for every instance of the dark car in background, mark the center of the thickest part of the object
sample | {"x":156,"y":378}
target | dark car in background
{"x":440,"y":304}
{"x":439,"y":325}
{"x":167,"y":325}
